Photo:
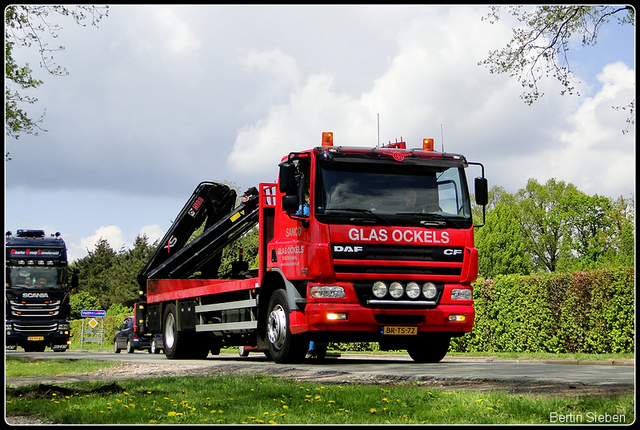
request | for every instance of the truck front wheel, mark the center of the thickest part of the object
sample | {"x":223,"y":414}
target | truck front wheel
{"x":431,"y":350}
{"x":173,"y":347}
{"x":283,"y":346}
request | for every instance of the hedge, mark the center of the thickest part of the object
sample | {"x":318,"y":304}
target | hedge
{"x":582,"y":312}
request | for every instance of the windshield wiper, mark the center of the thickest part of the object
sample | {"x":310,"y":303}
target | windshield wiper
{"x":431,"y":219}
{"x":362,"y":211}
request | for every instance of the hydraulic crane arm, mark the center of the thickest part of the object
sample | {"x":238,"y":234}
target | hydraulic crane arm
{"x":201,"y":251}
{"x":210,"y":201}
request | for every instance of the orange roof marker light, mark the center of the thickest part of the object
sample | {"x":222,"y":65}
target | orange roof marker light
{"x":327,"y":138}
{"x":427,"y":144}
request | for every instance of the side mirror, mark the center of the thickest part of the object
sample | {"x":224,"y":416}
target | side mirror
{"x":287,"y":178}
{"x":290,"y":203}
{"x":74,"y":279}
{"x":482,"y":191}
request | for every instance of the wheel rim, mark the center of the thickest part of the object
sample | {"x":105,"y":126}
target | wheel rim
{"x":169,"y":334}
{"x":277,"y":327}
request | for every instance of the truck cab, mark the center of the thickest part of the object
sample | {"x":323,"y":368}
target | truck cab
{"x":37,"y":289}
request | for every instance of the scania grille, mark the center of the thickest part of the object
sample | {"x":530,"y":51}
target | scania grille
{"x":35,"y":309}
{"x":32,"y":329}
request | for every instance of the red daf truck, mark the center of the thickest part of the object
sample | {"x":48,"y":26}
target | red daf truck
{"x":355,"y":245}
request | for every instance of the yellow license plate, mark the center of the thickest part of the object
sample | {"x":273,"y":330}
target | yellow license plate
{"x":399,"y":330}
{"x":35,"y":338}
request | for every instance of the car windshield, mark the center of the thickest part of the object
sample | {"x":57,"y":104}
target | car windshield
{"x":394,"y":193}
{"x":36,"y":278}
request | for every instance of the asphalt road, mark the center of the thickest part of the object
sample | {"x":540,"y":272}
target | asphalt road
{"x":401,"y":367}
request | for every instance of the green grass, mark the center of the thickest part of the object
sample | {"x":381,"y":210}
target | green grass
{"x":260,"y":399}
{"x":18,"y":366}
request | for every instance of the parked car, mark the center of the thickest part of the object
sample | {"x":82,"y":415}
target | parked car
{"x":127,"y":338}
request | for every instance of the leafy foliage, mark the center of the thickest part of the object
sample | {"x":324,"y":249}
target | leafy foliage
{"x":27,"y":26}
{"x":554,"y":227}
{"x":538,"y":48}
{"x":581,"y":312}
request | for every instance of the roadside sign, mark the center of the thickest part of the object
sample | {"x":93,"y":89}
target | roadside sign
{"x":90,"y":314}
{"x":93,"y":323}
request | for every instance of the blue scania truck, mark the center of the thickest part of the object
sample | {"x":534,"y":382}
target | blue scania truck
{"x":37,"y":289}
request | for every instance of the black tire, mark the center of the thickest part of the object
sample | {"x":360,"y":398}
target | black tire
{"x":242,"y":352}
{"x":283,"y":346}
{"x":115,"y":347}
{"x":130,"y":348}
{"x":430,"y":350}
{"x":36,"y":347}
{"x":173,"y":342}
{"x":153,"y":349}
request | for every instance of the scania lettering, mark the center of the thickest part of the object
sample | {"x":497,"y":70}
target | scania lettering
{"x":354,"y":245}
{"x":37,"y":291}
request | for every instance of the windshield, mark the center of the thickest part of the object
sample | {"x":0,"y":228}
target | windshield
{"x":36,"y":278}
{"x":397,"y":194}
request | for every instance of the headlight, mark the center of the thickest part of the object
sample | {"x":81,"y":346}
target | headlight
{"x":327,"y":292}
{"x":461,"y":294}
{"x":429,"y":291}
{"x":396,"y":290}
{"x":413,"y":290}
{"x":379,"y":289}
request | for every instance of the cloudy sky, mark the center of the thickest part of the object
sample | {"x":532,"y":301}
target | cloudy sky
{"x":160,"y":98}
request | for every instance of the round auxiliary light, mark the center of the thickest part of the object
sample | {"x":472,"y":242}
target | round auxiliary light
{"x":379,"y":289}
{"x":413,"y":290}
{"x":396,"y":290}
{"x":429,"y":290}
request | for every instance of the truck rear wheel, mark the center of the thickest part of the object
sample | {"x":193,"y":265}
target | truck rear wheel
{"x":430,"y":350}
{"x":283,"y":346}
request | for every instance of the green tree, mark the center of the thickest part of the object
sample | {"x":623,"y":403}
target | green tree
{"x":95,"y":276}
{"x":500,"y":244}
{"x":124,"y":274}
{"x":539,"y":47}
{"x":31,"y":26}
{"x":542,"y":221}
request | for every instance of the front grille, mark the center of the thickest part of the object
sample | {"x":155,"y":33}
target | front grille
{"x":370,"y":260}
{"x":397,"y":270}
{"x":33,"y":329}
{"x":396,"y":252}
{"x":38,"y":308}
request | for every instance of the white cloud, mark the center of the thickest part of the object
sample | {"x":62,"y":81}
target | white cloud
{"x":162,"y":33}
{"x":282,"y":68}
{"x":433,"y":80}
{"x":112,"y":234}
{"x":154,"y":232}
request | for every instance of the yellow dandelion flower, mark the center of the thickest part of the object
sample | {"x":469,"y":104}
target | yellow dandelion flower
{"x":171,"y":414}
{"x":285,"y":407}
{"x":272,"y":422}
{"x":372,"y":410}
